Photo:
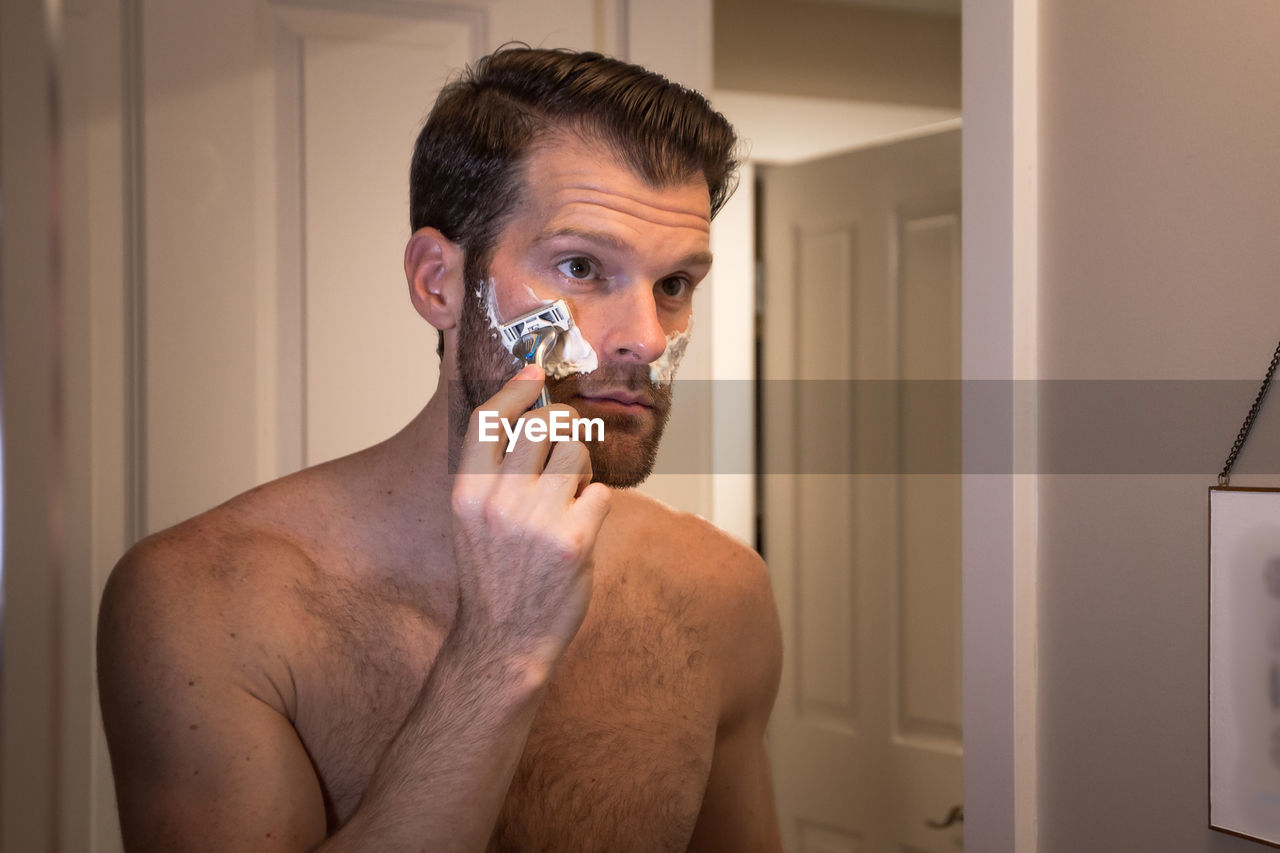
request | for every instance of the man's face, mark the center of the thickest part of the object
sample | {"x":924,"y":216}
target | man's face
{"x":625,"y":257}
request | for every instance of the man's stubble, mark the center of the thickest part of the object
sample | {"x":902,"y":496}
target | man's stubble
{"x":625,"y":457}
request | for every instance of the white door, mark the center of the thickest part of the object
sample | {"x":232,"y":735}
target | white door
{"x":862,"y":494}
{"x":237,"y":200}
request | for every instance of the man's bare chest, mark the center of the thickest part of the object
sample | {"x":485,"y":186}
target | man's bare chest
{"x":618,"y":754}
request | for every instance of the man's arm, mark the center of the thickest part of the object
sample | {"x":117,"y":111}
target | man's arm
{"x":206,"y":759}
{"x":217,"y":769}
{"x":738,"y":812}
{"x":202,"y":760}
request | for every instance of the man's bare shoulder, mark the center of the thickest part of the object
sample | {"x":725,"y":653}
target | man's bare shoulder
{"x":224,"y":592}
{"x":276,"y":532}
{"x":197,"y":635}
{"x":681,"y":545}
{"x":218,"y":551}
{"x":727,"y":585}
{"x":203,"y":590}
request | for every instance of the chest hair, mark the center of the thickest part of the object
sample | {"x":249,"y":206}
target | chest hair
{"x":619,"y":752}
{"x":618,"y":756}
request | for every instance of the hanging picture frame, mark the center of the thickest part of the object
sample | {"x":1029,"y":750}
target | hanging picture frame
{"x":1244,"y":662}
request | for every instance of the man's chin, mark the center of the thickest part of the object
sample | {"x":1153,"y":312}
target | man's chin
{"x":626,"y":455}
{"x":619,"y":467}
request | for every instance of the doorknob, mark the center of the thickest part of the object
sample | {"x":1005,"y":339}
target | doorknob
{"x":956,"y":815}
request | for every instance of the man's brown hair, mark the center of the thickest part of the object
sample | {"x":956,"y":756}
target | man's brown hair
{"x":465,"y":177}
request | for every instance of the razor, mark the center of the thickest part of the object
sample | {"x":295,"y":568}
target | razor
{"x":531,"y":337}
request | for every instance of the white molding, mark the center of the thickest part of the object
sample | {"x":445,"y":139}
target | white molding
{"x":732,"y":319}
{"x":1025,"y":297}
{"x":1000,"y":261}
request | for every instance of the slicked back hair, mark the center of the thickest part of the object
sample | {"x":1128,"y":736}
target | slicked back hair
{"x":466,"y":174}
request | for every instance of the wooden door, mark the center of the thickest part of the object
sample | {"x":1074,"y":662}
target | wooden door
{"x":862,"y":494}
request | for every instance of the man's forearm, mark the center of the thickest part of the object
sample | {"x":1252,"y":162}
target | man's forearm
{"x":444,"y":776}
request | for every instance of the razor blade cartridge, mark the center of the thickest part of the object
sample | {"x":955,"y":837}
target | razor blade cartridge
{"x":555,"y":315}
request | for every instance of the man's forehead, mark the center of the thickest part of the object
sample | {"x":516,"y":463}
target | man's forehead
{"x":566,"y":170}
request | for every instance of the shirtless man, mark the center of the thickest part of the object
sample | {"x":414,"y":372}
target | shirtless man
{"x":437,"y":645}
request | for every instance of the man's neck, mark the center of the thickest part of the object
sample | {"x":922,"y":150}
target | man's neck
{"x":406,"y":484}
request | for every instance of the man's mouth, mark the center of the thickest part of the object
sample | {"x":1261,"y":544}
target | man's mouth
{"x":623,"y":401}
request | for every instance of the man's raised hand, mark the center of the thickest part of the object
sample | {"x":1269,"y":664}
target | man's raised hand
{"x":524,"y":528}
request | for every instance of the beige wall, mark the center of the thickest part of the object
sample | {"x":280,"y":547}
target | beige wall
{"x":29,"y":683}
{"x":832,"y":50}
{"x":1160,"y":191}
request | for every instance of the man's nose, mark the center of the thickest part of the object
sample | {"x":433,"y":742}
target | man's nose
{"x":635,"y":333}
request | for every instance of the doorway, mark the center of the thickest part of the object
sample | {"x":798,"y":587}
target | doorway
{"x":860,"y":492}
{"x":866,"y":733}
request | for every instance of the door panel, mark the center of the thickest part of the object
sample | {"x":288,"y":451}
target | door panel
{"x":862,"y":504}
{"x":368,"y":361}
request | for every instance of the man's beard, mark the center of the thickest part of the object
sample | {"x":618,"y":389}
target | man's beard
{"x":626,"y":455}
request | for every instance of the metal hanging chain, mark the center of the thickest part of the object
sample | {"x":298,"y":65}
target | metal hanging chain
{"x":1225,"y":477}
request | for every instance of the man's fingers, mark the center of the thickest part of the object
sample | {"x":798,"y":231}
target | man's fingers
{"x":539,"y":435}
{"x":594,"y":504}
{"x":514,"y":398}
{"x":511,"y":401}
{"x":570,"y":461}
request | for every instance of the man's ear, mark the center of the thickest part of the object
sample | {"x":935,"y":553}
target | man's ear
{"x":433,"y":268}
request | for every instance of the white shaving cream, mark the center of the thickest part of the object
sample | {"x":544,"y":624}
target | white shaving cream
{"x":571,"y":354}
{"x":485,"y":294}
{"x":490,"y":306}
{"x":663,"y":368}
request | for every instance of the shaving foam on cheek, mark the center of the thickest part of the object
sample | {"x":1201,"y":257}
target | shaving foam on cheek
{"x":663,"y":368}
{"x":572,"y":353}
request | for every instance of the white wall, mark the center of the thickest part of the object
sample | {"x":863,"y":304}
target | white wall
{"x":786,"y":129}
{"x":1160,"y":200}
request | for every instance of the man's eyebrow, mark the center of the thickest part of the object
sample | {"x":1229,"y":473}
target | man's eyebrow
{"x":699,"y":259}
{"x":614,"y":242}
{"x":600,"y":237}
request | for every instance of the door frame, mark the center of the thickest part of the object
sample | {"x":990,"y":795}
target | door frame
{"x":999,"y":330}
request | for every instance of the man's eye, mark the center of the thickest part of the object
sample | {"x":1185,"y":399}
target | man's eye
{"x":674,"y":287}
{"x":576,"y":267}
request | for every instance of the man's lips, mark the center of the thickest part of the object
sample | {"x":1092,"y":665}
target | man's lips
{"x":628,"y":399}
